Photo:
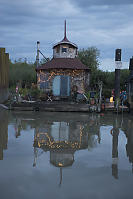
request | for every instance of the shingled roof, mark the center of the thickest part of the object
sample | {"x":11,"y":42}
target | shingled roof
{"x":63,"y":63}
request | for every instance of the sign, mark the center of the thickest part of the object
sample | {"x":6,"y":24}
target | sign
{"x":118,"y":65}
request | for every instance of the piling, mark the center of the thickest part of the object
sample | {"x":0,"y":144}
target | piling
{"x":4,"y":75}
{"x":117,"y":76}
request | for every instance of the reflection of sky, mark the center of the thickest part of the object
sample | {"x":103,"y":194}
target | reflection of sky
{"x":89,"y":177}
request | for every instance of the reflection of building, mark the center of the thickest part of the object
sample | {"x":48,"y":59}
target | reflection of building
{"x":3,"y":132}
{"x":64,"y":135}
{"x":62,"y":139}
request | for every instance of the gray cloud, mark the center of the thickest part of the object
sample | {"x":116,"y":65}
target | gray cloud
{"x":89,"y":3}
{"x":104,"y":24}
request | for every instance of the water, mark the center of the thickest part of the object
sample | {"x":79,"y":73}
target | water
{"x":65,"y":155}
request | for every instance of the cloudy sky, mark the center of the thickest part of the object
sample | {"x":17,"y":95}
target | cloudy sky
{"x":105,"y":24}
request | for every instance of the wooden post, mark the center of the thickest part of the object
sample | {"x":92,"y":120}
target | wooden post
{"x":130,"y":84}
{"x":4,"y":72}
{"x":117,"y":76}
{"x":7,"y":69}
{"x":2,"y":52}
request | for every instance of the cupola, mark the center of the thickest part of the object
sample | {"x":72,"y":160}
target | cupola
{"x":65,"y":48}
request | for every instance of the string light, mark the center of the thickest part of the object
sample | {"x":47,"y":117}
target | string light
{"x":60,"y":164}
{"x":52,"y":74}
{"x":58,"y":144}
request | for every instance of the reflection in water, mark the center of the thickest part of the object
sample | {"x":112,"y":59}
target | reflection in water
{"x":115,"y":134}
{"x":66,"y":155}
{"x":129,"y":145}
{"x":62,"y":136}
{"x":3,"y":131}
{"x":17,"y":127}
{"x":62,"y":139}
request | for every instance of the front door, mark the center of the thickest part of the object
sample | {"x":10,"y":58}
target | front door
{"x":65,"y":86}
{"x":56,"y":86}
{"x":61,"y":86}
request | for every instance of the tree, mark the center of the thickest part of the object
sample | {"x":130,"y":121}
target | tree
{"x":123,"y":78}
{"x":89,"y":57}
{"x":21,"y":72}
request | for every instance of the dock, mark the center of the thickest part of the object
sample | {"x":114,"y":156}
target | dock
{"x":63,"y":106}
{"x":53,"y":106}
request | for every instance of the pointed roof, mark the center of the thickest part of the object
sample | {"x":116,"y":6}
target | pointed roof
{"x":65,"y":40}
{"x":65,"y":37}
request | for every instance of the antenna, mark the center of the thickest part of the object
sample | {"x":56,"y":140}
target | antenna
{"x":65,"y":30}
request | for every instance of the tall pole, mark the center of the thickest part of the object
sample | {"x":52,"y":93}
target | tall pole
{"x":118,"y":65}
{"x":130,"y":92}
{"x":37,"y":57}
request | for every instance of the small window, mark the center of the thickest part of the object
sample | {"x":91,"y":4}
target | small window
{"x":64,"y":50}
{"x":57,"y":49}
{"x":44,"y":83}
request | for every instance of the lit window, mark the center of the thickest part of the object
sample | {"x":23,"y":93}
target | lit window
{"x":64,"y":50}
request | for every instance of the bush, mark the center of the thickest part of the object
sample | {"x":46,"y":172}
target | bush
{"x":35,"y":93}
